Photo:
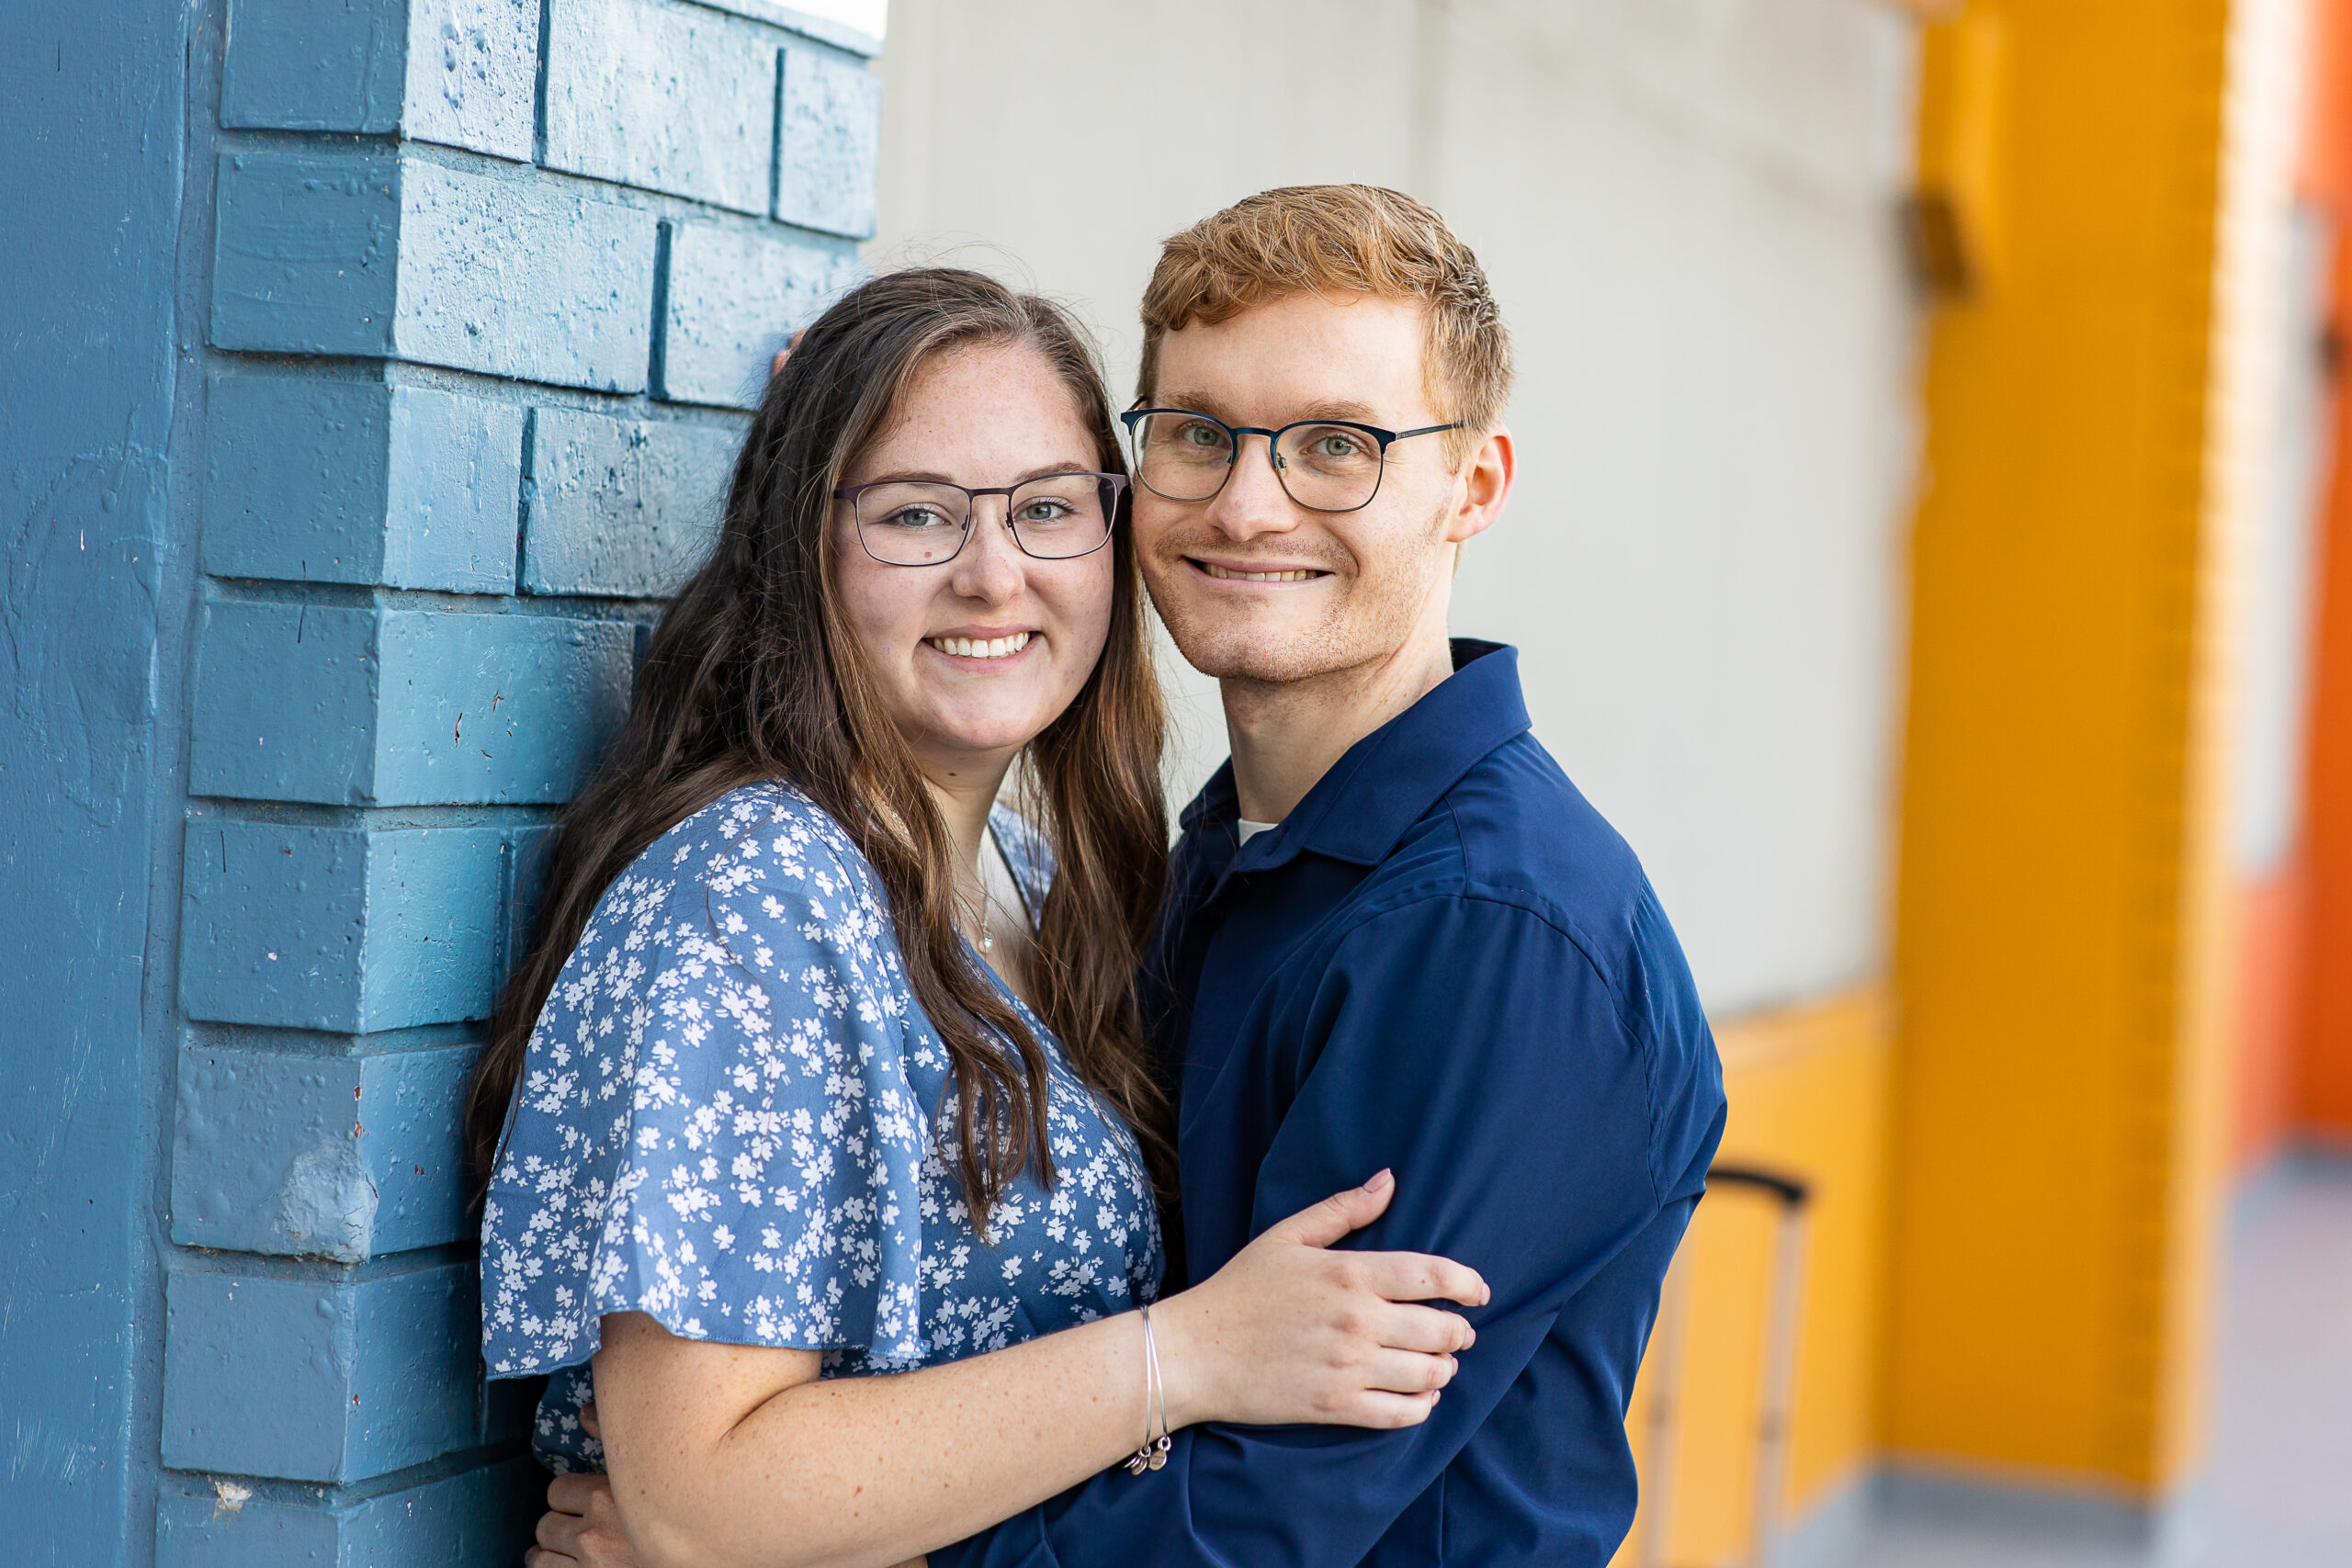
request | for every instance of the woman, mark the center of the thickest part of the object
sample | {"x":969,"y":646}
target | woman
{"x":821,"y":1065}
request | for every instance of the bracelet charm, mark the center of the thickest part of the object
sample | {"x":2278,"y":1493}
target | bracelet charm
{"x":1153,"y":1451}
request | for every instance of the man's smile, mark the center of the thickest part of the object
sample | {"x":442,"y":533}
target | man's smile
{"x":1224,"y":573}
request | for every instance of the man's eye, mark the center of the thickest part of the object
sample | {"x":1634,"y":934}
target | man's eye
{"x":1332,"y":443}
{"x":1203,"y":435}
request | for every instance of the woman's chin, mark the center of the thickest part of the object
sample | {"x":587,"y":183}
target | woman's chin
{"x":985,"y":734}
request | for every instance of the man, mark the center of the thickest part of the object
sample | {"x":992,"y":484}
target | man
{"x":1396,"y":935}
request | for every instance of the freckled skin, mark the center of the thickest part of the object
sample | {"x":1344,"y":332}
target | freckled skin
{"x":1267,"y":367}
{"x":1305,"y":669}
{"x":963,"y":717}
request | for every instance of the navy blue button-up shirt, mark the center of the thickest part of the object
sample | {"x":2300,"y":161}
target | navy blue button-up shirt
{"x":1443,"y":962}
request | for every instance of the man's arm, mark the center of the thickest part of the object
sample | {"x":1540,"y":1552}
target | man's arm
{"x":1515,"y":1091}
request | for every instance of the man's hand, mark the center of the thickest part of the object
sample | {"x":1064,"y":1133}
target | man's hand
{"x":776,"y":366}
{"x":582,"y":1528}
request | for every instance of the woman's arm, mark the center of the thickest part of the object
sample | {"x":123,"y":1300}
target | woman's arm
{"x":725,"y":1456}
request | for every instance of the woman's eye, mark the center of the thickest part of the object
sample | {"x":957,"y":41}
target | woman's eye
{"x":917,"y":517}
{"x":1044,"y":511}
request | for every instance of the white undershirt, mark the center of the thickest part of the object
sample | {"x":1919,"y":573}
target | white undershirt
{"x":1251,"y":830}
{"x":1008,"y":910}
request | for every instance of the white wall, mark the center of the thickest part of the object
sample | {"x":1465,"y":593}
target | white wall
{"x":1686,"y":209}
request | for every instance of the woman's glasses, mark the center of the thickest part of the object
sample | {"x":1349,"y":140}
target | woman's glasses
{"x":926,"y":522}
{"x":1323,"y":465}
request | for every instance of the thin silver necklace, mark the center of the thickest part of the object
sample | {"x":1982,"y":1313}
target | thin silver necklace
{"x":987,"y":936}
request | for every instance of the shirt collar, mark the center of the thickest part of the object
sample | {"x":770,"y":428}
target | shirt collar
{"x":1387,"y":780}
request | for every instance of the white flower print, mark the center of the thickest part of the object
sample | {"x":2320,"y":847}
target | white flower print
{"x":730,"y":1118}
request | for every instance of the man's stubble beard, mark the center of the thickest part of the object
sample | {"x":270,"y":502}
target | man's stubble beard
{"x":1367,"y":629}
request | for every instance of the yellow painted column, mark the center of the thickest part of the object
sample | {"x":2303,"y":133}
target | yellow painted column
{"x":2060,"y":923}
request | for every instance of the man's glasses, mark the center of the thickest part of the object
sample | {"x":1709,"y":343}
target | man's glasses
{"x":922,"y":523}
{"x":1325,"y":465}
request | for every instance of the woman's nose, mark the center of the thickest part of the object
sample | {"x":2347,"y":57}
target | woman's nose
{"x":991,"y":566}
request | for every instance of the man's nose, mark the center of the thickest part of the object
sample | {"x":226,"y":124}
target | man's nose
{"x":1253,"y":500}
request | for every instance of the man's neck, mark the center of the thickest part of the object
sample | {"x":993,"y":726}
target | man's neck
{"x":1286,"y":735}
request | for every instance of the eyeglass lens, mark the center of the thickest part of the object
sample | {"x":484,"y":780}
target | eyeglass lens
{"x":1053,"y":518}
{"x":1330,"y":467}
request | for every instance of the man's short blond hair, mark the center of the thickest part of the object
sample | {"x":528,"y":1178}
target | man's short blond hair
{"x":1342,"y":240}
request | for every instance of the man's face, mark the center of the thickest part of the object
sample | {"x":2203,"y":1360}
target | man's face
{"x":1254,"y":586}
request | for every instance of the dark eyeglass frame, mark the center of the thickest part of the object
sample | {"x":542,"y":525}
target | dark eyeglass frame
{"x":1385,"y":438}
{"x":1113,"y":485}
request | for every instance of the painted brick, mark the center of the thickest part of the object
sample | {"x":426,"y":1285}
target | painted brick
{"x":667,"y":99}
{"x":857,"y":40}
{"x":528,"y":280}
{"x":390,"y":256}
{"x":285,"y":691}
{"x":828,"y":141}
{"x":402,"y":707}
{"x":620,"y":507}
{"x":730,"y":298}
{"x":306,"y":256}
{"x":333,"y":1379}
{"x":482,"y":1517}
{"x":458,"y":72}
{"x":314,"y":481}
{"x":347,"y":929}
{"x":335,"y":1156}
{"x":526,"y":875}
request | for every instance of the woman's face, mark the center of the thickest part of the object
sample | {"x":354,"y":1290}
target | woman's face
{"x":980,"y":417}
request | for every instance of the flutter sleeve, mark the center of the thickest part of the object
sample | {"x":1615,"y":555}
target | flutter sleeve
{"x":715,"y":1125}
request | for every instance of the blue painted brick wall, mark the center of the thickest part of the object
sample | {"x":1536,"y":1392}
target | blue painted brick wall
{"x":455,"y":72}
{"x":388,"y":706}
{"x":395,"y":256}
{"x":336,"y":1376}
{"x":351,"y":928}
{"x":829,"y":118}
{"x":491,"y":283}
{"x":342,"y":1157}
{"x":731,"y":298}
{"x":664,"y":96}
{"x":311,"y":479}
{"x":472,"y":1517}
{"x":621,"y":507}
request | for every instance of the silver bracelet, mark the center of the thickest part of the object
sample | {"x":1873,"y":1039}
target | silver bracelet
{"x":1154,"y":1451}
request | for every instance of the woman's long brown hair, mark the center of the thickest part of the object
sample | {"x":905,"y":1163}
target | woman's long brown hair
{"x":753,"y":676}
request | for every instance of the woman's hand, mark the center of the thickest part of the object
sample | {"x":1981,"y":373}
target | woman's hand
{"x":1289,"y":1331}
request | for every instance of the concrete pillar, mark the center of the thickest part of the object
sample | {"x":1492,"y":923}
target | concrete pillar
{"x":375,"y":367}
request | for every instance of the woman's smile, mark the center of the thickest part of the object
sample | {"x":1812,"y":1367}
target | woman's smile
{"x":989,"y":643}
{"x":982,"y":647}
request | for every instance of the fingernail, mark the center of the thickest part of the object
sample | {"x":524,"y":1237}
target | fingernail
{"x":1382,"y":1180}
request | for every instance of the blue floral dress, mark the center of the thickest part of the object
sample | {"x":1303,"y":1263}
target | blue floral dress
{"x":735,"y":1118}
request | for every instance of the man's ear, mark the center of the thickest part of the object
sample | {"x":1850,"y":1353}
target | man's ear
{"x":1486,"y":486}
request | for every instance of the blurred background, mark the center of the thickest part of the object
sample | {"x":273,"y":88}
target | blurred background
{"x":1922,"y":553}
{"x":1933,"y":550}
